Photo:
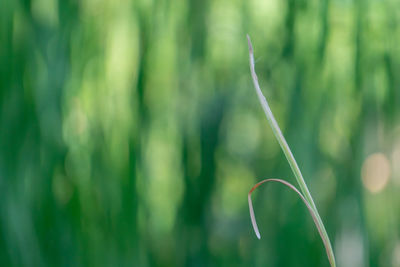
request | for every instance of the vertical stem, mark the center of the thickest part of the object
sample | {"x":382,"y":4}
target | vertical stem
{"x":288,"y":153}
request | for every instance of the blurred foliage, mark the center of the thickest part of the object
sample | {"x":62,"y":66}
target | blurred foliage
{"x":130,"y":132}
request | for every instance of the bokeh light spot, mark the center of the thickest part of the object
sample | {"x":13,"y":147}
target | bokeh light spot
{"x":375,"y":172}
{"x":62,"y":189}
{"x":45,"y":11}
{"x":396,"y":255}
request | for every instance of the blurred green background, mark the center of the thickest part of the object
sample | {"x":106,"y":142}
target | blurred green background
{"x":130,"y":132}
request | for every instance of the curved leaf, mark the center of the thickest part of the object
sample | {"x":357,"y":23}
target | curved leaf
{"x":310,"y":209}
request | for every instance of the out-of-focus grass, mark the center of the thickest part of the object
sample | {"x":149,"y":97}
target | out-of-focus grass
{"x":128,"y":135}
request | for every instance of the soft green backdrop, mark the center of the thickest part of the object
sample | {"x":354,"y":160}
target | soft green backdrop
{"x":130,"y":133}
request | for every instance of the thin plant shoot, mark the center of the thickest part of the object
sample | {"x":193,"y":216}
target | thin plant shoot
{"x":304,"y":194}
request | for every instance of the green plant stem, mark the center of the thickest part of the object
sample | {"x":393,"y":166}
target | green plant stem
{"x":289,"y":156}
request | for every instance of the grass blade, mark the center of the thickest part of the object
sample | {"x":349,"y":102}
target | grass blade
{"x":289,"y":156}
{"x":310,"y":209}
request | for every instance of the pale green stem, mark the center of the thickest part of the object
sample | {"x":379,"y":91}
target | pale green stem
{"x":289,"y":156}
